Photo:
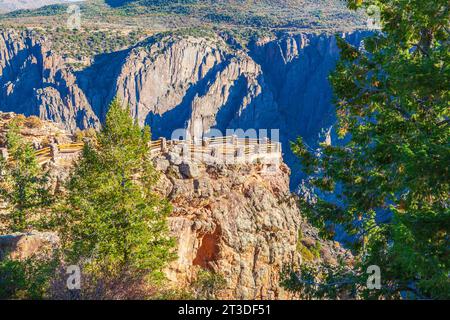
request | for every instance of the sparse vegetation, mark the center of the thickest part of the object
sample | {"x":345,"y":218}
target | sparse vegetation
{"x":20,"y":120}
{"x":89,"y":133}
{"x":33,"y":122}
{"x":208,"y":284}
{"x":29,"y":278}
{"x":308,"y":253}
{"x":109,"y":27}
{"x":89,"y":42}
{"x":171,"y":15}
{"x":23,"y":184}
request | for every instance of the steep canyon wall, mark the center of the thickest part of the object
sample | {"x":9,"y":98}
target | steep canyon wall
{"x":172,"y":82}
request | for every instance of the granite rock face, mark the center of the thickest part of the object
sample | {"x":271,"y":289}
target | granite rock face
{"x":178,"y":82}
{"x":35,"y":81}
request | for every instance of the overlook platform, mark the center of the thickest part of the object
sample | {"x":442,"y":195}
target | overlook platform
{"x":228,"y":149}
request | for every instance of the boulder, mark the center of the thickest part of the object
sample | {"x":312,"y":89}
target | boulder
{"x":161,"y":164}
{"x":189,"y":170}
{"x":174,"y":158}
{"x":24,"y":245}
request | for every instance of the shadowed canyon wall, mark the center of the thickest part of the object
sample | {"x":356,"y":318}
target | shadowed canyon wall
{"x":177,"y":82}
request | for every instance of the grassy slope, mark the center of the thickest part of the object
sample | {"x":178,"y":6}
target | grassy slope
{"x":165,"y":14}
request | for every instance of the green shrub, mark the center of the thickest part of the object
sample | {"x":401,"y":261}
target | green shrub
{"x":308,"y":254}
{"x":33,"y":122}
{"x":26,"y":279}
{"x":19,"y":120}
{"x":208,"y":284}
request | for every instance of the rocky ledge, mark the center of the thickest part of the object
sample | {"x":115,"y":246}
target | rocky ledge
{"x":239,"y":221}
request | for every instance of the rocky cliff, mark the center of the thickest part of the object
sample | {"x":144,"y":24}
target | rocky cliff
{"x":241,"y":222}
{"x":172,"y":82}
{"x":36,"y":81}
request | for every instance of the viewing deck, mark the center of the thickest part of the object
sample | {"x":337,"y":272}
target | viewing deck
{"x":228,"y":149}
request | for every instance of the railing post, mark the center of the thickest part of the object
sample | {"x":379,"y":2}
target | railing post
{"x":185,"y":151}
{"x":240,"y":152}
{"x":234,"y":140}
{"x":205,"y":142}
{"x":214,"y":152}
{"x":163,"y":145}
{"x":266,"y":145}
{"x":4,"y":153}
{"x":54,"y":151}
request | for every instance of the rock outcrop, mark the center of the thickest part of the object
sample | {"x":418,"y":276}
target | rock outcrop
{"x":37,"y":132}
{"x":35,"y":81}
{"x":21,"y":246}
{"x":239,"y":221}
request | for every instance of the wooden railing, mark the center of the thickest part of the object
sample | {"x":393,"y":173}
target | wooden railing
{"x":43,"y":152}
{"x":70,"y":147}
{"x":228,"y":146}
{"x":44,"y":155}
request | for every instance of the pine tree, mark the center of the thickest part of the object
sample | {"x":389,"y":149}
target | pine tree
{"x":23,"y":184}
{"x":390,"y":173}
{"x":113,"y":219}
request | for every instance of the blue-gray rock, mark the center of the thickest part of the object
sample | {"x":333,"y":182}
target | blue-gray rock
{"x":281,"y":83}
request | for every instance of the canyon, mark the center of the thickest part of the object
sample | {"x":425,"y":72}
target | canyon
{"x":174,"y":81}
{"x":240,"y":220}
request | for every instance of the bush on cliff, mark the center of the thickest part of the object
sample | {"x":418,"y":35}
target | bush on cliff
{"x":208,"y":284}
{"x":23,"y":184}
{"x":33,"y":122}
{"x":29,"y":278}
